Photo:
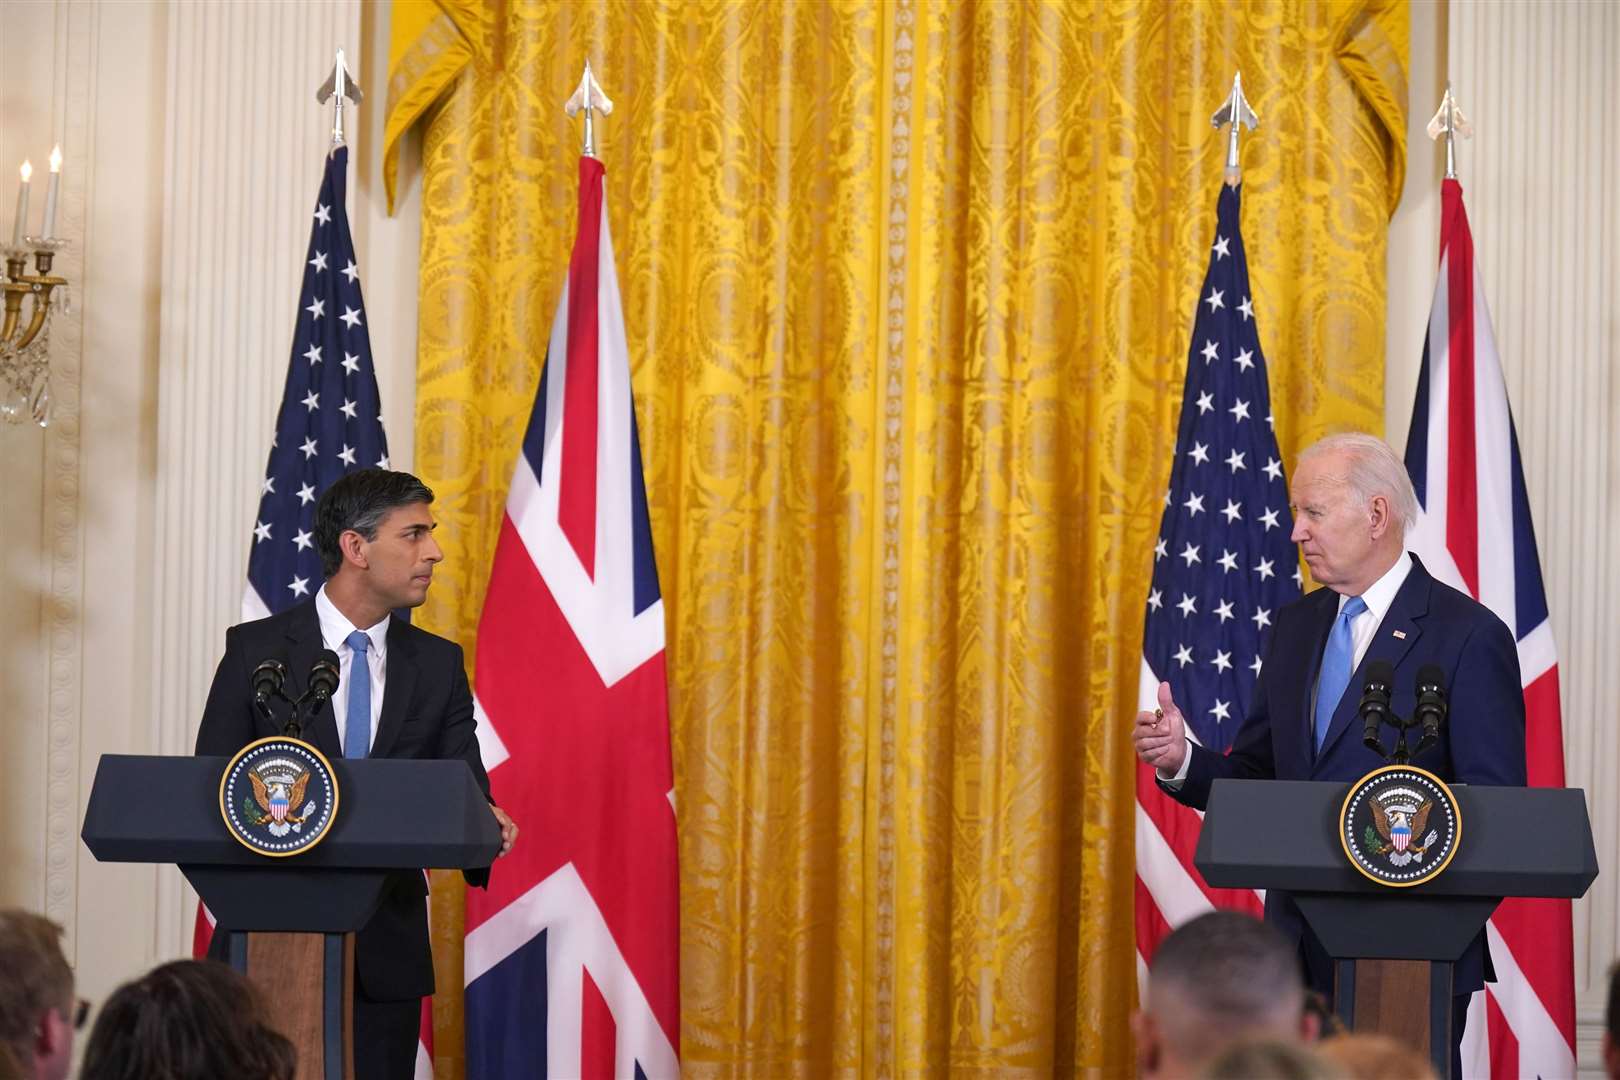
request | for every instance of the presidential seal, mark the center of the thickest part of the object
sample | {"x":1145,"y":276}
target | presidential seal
{"x":278,"y":796}
{"x":1400,"y":825}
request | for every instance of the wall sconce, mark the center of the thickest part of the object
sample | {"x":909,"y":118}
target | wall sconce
{"x":25,"y":343}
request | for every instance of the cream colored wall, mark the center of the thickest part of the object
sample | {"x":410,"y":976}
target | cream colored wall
{"x":1541,"y":177}
{"x":193,"y":150}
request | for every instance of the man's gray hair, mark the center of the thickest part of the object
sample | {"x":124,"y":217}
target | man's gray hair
{"x":1374,"y":470}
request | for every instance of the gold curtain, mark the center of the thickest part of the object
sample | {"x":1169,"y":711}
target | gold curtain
{"x":908,"y":288}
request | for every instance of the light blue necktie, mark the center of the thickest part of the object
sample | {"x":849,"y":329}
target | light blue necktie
{"x":357,"y":726}
{"x":1337,"y":661}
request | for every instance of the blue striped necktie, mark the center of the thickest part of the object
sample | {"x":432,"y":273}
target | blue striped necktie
{"x":357,"y":725}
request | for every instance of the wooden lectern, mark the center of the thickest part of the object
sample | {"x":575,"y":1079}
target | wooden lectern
{"x":1393,"y":948}
{"x":295,"y":916}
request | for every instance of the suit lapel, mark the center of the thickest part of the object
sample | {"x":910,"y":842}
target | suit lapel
{"x":398,"y":686}
{"x":1396,"y":635}
{"x":1317,"y":627}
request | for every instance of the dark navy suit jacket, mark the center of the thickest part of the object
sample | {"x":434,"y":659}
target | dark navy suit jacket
{"x":1427,"y":623}
{"x":427,"y":712}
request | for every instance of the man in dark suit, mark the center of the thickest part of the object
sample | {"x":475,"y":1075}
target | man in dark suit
{"x":1353,"y":503}
{"x":402,"y":693}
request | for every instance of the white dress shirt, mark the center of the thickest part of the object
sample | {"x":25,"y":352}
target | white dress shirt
{"x":1363,"y":628}
{"x":335,"y":631}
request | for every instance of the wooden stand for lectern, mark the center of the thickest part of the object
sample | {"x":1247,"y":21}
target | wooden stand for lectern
{"x":1394,"y":951}
{"x":289,"y":970}
{"x":1392,"y":997}
{"x":292,"y":921}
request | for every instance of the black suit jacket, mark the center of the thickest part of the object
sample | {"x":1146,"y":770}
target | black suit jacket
{"x":1428,"y":622}
{"x":427,"y":712}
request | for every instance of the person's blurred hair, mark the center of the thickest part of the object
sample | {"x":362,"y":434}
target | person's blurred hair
{"x":187,"y":1020}
{"x":1235,"y":970}
{"x":1216,"y":979}
{"x":36,"y":977}
{"x":1366,"y":1056}
{"x":1266,"y":1059}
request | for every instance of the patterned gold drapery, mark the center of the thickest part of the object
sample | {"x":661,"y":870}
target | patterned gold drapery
{"x":908,"y":287}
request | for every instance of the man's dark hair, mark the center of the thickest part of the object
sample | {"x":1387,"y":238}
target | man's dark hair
{"x":1235,"y":965}
{"x":187,"y":1020}
{"x":36,"y":978}
{"x":359,"y":501}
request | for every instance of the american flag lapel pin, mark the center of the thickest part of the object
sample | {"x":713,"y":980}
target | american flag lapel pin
{"x":1400,"y":635}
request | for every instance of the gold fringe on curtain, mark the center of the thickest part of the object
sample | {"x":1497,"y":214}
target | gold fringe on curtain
{"x":908,"y":287}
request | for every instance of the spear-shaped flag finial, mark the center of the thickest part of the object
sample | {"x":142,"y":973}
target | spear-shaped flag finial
{"x":1237,"y":113}
{"x":1449,"y":121}
{"x":338,"y":86}
{"x":590,"y":98}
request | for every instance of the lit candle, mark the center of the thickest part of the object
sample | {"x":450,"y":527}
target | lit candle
{"x":27,"y":170}
{"x":50,"y":192}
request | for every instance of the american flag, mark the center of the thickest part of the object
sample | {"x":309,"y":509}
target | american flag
{"x":1475,"y":534}
{"x":572,"y":953}
{"x":1222,"y":567}
{"x":329,"y":423}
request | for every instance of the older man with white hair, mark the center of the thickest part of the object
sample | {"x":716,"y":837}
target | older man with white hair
{"x":1353,"y":504}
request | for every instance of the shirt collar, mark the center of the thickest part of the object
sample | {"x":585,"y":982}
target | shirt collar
{"x":336,"y":628}
{"x":1381,"y":593}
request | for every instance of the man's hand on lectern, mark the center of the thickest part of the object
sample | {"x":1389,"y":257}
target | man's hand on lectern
{"x":1160,"y":734}
{"x":509,"y":829}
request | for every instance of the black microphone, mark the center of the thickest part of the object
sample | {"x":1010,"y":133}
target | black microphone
{"x":268,"y":679}
{"x":1374,"y":707}
{"x":323,"y":678}
{"x":1431,"y":705}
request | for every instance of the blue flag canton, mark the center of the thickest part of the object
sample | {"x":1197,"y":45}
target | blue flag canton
{"x":330,"y":421}
{"x":1224,"y":563}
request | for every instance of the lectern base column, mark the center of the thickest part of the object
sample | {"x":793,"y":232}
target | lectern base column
{"x":307,"y":980}
{"x":1408,"y":1000}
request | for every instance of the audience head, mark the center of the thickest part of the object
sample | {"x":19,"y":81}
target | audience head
{"x":1611,"y":1028}
{"x":186,"y":1020}
{"x":37,"y":1008}
{"x":1365,"y":1056}
{"x":1218,"y":979}
{"x":1269,"y":1059}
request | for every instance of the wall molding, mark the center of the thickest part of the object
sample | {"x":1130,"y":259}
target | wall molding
{"x":76,"y":44}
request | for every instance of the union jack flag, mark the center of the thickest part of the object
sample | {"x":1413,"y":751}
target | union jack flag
{"x":571,"y":954}
{"x":1222,"y":567}
{"x":1475,"y":534}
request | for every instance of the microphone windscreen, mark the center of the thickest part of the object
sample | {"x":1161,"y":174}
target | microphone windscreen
{"x":1381,"y":671}
{"x":323,"y":676}
{"x":1431,"y":676}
